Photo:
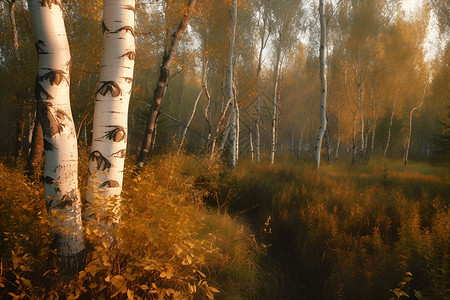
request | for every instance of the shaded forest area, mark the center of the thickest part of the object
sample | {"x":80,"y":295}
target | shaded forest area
{"x":296,"y":149}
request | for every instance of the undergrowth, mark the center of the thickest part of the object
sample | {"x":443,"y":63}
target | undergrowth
{"x":167,"y":245}
{"x":350,"y":232}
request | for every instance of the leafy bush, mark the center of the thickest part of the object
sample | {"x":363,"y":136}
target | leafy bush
{"x":166,"y":245}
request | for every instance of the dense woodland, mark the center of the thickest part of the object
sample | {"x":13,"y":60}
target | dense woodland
{"x":263,"y":140}
{"x":377,"y":71}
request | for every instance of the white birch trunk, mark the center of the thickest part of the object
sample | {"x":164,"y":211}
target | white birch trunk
{"x":275,"y":107}
{"x":408,"y":138}
{"x":389,"y":133}
{"x":230,"y":94}
{"x":109,"y":140}
{"x":61,"y":155}
{"x":216,"y":134}
{"x":250,"y":138}
{"x":323,"y":81}
{"x":183,"y":136}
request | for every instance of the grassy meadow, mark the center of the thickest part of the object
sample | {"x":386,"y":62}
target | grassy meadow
{"x":192,"y":229}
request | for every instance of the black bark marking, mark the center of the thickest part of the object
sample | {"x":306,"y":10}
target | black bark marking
{"x":49,"y":180}
{"x":39,"y":47}
{"x":52,"y":120}
{"x":39,"y":92}
{"x":126,"y":28}
{"x":51,"y":124}
{"x":128,"y":79}
{"x":120,"y":153}
{"x":61,"y":115}
{"x":49,"y":3}
{"x":66,"y":201}
{"x":109,"y":184}
{"x":48,"y":146}
{"x":117,"y":134}
{"x":109,"y":86}
{"x":130,"y":7}
{"x":54,"y":77}
{"x":104,"y":28}
{"x":102,"y":163}
{"x":130,"y":55}
{"x":49,"y":204}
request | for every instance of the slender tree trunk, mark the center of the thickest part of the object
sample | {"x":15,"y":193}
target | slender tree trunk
{"x":292,"y":140}
{"x":219,"y":124}
{"x":208,"y":105}
{"x":264,"y":39}
{"x":354,"y":140}
{"x":61,"y":157}
{"x":229,"y":90}
{"x":275,"y":107}
{"x":408,"y":138}
{"x":389,"y":134}
{"x":252,"y":154}
{"x":323,"y":81}
{"x":328,"y":143}
{"x":225,"y":133}
{"x":12,"y":18}
{"x":338,"y":143}
{"x":183,"y":136}
{"x":161,"y":85}
{"x":109,"y":138}
{"x":374,"y":128}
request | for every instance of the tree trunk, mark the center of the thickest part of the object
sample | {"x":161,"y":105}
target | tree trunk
{"x":183,"y":136}
{"x":161,"y":85}
{"x":408,"y":138}
{"x":374,"y":128}
{"x":12,"y":18}
{"x":264,"y":39}
{"x":229,"y":90}
{"x":275,"y":107}
{"x":109,"y":136}
{"x":323,"y":81}
{"x":389,"y":134}
{"x":208,"y":105}
{"x":61,"y":157}
{"x":252,"y":154}
{"x":219,"y":124}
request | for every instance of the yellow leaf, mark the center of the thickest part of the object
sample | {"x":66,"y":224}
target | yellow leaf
{"x":118,"y":281}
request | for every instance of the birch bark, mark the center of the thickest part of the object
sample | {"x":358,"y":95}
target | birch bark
{"x":323,"y":81}
{"x":230,"y":93}
{"x":61,"y":157}
{"x":408,"y":138}
{"x":109,"y":138}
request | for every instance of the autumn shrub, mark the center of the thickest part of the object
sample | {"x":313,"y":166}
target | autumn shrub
{"x":351,"y":232}
{"x":167,"y":245}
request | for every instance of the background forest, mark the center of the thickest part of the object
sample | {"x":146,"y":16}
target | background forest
{"x":253,"y":219}
{"x":380,"y":59}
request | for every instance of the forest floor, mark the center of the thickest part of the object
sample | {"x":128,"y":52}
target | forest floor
{"x":192,"y":228}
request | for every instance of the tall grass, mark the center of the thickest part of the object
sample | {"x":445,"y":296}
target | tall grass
{"x":351,"y":232}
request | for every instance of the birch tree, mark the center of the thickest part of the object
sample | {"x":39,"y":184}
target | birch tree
{"x":286,"y":18}
{"x":61,"y":157}
{"x":229,"y":91}
{"x":408,"y":138}
{"x":109,"y":139}
{"x":323,"y":80}
{"x":162,"y":83}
